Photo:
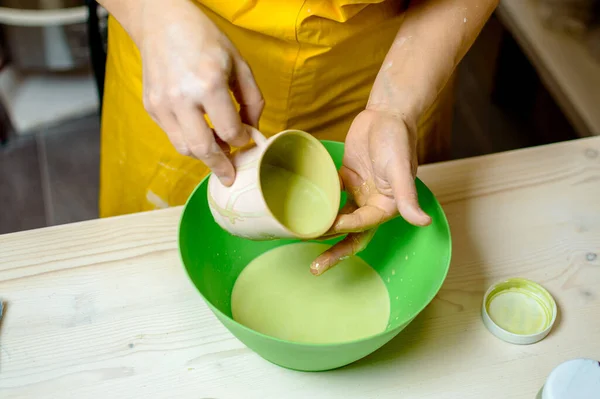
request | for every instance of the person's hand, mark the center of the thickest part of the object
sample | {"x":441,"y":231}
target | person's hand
{"x":189,"y":65}
{"x":378,"y":173}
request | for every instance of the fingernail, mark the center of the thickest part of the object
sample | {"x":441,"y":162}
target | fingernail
{"x":422,"y":219}
{"x":425,"y":217}
{"x":227,"y":180}
{"x":317,"y":268}
{"x":417,"y":216}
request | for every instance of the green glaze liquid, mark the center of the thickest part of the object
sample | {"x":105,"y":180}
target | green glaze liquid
{"x":278,"y":296}
{"x":298,"y":203}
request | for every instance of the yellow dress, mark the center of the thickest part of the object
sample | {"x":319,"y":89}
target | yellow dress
{"x":314,"y":61}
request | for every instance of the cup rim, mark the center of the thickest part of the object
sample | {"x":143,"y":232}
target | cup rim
{"x":323,"y":150}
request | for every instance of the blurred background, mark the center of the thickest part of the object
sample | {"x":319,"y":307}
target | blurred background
{"x":531,"y":78}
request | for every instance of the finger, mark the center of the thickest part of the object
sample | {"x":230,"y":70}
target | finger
{"x":403,"y":186}
{"x":364,"y":218}
{"x":247,"y":93}
{"x":351,"y":245}
{"x":203,"y":145}
{"x":350,"y":179}
{"x":168,"y":123}
{"x":226,"y":148}
{"x":327,"y":236}
{"x":225,"y":118}
{"x":349,"y":207}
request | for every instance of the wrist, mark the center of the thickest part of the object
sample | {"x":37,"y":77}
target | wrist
{"x":128,"y":14}
{"x":143,"y":20}
{"x":154,"y":18}
{"x":403,"y":104}
{"x":406,"y":85}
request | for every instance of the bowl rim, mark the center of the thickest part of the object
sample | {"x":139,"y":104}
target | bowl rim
{"x":305,"y":344}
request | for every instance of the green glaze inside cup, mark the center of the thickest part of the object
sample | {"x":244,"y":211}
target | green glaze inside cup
{"x":412,"y":261}
{"x":309,"y":209}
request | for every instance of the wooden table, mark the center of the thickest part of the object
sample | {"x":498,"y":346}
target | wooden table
{"x":103,"y":309}
{"x":564,"y":64}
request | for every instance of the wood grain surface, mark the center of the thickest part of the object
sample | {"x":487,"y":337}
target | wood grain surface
{"x":103,"y":309}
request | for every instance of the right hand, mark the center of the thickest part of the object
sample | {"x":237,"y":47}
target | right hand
{"x":189,"y":65}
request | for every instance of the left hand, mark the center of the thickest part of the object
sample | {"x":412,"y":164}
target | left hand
{"x":378,"y":173}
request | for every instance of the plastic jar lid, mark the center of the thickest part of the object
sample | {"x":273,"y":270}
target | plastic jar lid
{"x":518,"y":311}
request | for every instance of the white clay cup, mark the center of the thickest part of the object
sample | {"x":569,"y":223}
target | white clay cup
{"x":251,"y":209}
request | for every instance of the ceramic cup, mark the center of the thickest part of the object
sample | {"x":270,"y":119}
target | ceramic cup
{"x":260,"y":207}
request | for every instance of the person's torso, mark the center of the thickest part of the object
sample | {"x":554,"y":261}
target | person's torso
{"x":314,"y":60}
{"x":306,"y":21}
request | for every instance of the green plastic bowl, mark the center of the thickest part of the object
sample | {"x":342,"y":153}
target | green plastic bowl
{"x":420,"y":257}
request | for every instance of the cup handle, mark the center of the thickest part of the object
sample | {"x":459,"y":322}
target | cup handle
{"x":259,"y":139}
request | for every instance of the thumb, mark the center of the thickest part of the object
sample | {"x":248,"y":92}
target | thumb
{"x":402,"y":181}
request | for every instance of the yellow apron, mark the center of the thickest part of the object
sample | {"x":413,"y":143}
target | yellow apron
{"x":314,"y":61}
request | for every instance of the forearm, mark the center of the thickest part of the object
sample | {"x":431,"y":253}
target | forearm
{"x":434,"y":37}
{"x":128,"y":13}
